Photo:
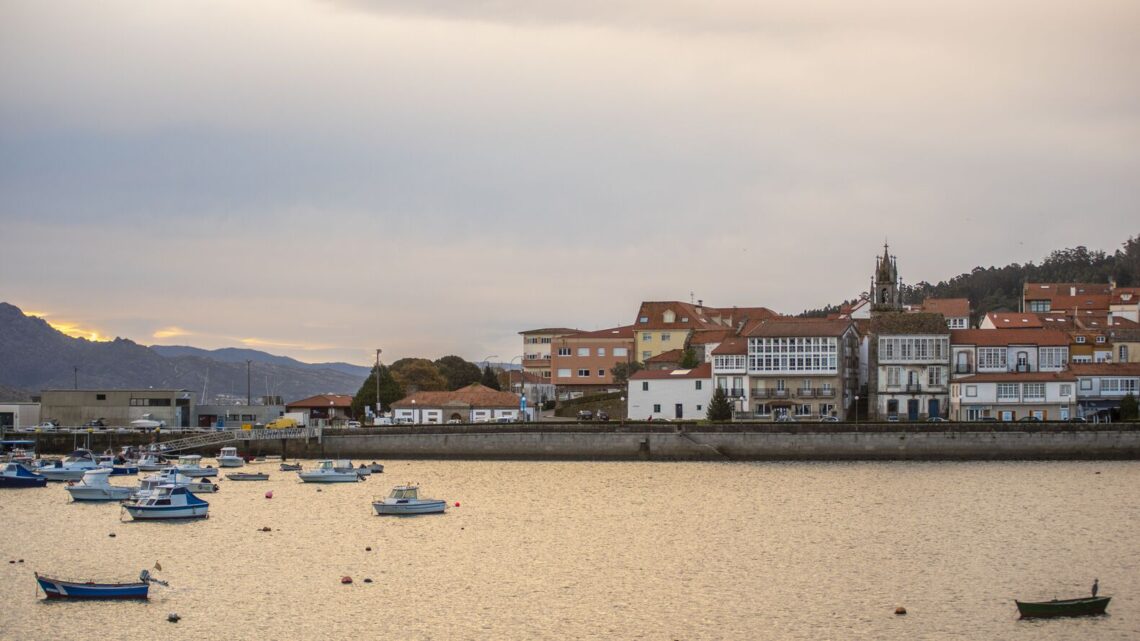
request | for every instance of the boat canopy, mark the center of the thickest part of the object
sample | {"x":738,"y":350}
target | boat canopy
{"x":404,"y":492}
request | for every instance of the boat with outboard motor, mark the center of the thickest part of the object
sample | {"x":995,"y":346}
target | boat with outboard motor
{"x":19,"y":475}
{"x":191,"y":465}
{"x":405,"y":500}
{"x":327,"y":471}
{"x":61,"y":589}
{"x":71,"y":468}
{"x":172,"y":477}
{"x":96,"y":486}
{"x":167,"y":502}
{"x":247,"y":476}
{"x":151,"y":462}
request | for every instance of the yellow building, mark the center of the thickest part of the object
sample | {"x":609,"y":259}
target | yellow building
{"x":666,"y":325}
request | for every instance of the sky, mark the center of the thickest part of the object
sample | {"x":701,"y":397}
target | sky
{"x":322,"y":178}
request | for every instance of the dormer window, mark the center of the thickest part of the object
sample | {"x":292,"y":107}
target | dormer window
{"x":1100,"y":339}
{"x":684,"y":319}
{"x":643,"y":319}
{"x":668,"y":316}
{"x":1080,"y":339}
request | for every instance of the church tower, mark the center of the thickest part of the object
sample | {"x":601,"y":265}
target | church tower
{"x":885,"y":294}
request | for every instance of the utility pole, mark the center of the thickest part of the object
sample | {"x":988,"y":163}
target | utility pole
{"x":76,"y":368}
{"x":378,"y":350}
{"x":248,"y":395}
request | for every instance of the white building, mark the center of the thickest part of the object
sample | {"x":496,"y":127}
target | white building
{"x":472,"y":404}
{"x":680,"y":394}
{"x":911,"y":365}
{"x":1101,"y":387}
{"x":996,"y":351}
{"x":1012,"y":396}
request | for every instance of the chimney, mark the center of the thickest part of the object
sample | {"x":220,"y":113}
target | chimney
{"x":1072,"y":291}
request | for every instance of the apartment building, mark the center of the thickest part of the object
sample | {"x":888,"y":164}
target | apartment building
{"x":662,"y":326}
{"x":999,"y":351}
{"x":583,"y":362}
{"x":1013,"y":396}
{"x":956,"y":311}
{"x":1101,"y":387}
{"x":910,"y":357}
{"x":536,"y":349}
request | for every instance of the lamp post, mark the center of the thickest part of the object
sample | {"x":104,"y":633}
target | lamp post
{"x":248,"y":395}
{"x":856,"y":409}
{"x":414,"y":411}
{"x":741,"y":399}
{"x":510,"y":374}
{"x":624,"y":411}
{"x":378,"y":350}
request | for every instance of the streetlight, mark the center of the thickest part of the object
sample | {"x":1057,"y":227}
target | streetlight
{"x":378,"y":350}
{"x":486,"y":360}
{"x":414,"y":411}
{"x":624,"y":411}
{"x":510,"y":378}
{"x":856,"y":408}
{"x":248,"y":395}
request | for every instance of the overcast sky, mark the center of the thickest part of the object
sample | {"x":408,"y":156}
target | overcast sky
{"x":322,"y":178}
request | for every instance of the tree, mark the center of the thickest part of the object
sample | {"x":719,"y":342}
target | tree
{"x":418,"y":375}
{"x":719,"y":407}
{"x":390,"y":391}
{"x":622,"y":371}
{"x":458,"y":372}
{"x":689,"y":359}
{"x":490,"y":379}
{"x":1128,"y":408}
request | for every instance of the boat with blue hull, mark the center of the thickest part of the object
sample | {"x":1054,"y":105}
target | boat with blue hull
{"x":18,"y":475}
{"x":404,"y":500}
{"x":61,"y":589}
{"x":167,"y":502}
{"x":71,"y":468}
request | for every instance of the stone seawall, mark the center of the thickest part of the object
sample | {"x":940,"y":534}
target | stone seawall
{"x":691,"y":442}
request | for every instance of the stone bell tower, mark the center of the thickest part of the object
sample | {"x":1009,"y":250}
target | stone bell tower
{"x":885,"y":294}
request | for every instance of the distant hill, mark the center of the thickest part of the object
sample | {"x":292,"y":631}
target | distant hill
{"x":240,"y":355}
{"x":35,"y":356}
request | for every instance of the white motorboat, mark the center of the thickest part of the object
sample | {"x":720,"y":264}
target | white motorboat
{"x":172,"y":477}
{"x":228,"y":457}
{"x":364,"y":470}
{"x":151,"y":462}
{"x":191,"y":465}
{"x":327,"y":471}
{"x":96,"y":486}
{"x":405,"y":499}
{"x":377,"y":468}
{"x":167,"y":502}
{"x":71,"y":468}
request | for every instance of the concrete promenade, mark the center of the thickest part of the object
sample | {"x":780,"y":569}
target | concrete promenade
{"x":687,"y":442}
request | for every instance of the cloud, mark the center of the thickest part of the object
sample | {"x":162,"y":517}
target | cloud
{"x":171,"y":332}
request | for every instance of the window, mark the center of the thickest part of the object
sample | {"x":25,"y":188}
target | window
{"x":991,"y":358}
{"x":699,"y":384}
{"x":656,"y":408}
{"x":643,"y":319}
{"x":722,"y":382}
{"x":893,"y":374}
{"x":584,"y":373}
{"x":668,"y":316}
{"x":621,"y":351}
{"x":973,"y":413}
{"x":645,"y":355}
{"x":971,"y":391}
{"x":545,"y":340}
{"x":100,"y":397}
{"x":934,"y":376}
{"x":564,"y":373}
{"x":764,"y":409}
{"x":1099,"y":340}
{"x":1123,"y":357}
{"x":546,"y":373}
{"x":914,"y":348}
{"x":601,"y":373}
{"x":665,"y":337}
{"x":1066,"y":389}
{"x":1080,"y":339}
{"x":1033,"y":391}
{"x":698,"y":408}
{"x":583,"y":351}
{"x":1007,"y":391}
{"x":803,"y":410}
{"x":1086,"y":384}
{"x":1039,"y":305}
{"x":646,"y":336}
{"x":794,"y":354}
{"x":645,"y":386}
{"x":563,"y":351}
{"x":601,"y":351}
{"x":1052,"y":358}
{"x":826,"y":409}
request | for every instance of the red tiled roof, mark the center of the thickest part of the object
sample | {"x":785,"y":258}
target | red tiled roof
{"x":624,"y":332}
{"x":704,"y":370}
{"x":671,"y":356}
{"x":780,"y":327}
{"x":1049,"y":291}
{"x":1092,"y":302}
{"x":734,"y":345}
{"x":706,"y":336}
{"x":323,"y":400}
{"x":953,"y":307}
{"x":1005,"y":336}
{"x":1105,"y":369}
{"x":474,"y":395}
{"x":1011,"y":320}
{"x":686,"y":316}
{"x":1125,"y":296}
{"x":1018,"y":377}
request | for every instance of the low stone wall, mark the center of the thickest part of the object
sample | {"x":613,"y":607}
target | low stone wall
{"x":886,"y":441}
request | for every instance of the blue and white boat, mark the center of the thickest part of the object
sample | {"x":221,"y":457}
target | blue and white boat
{"x":18,"y":475}
{"x":117,"y":465}
{"x":172,"y":477}
{"x":151,"y":462}
{"x":167,"y":502}
{"x":61,"y":589}
{"x":71,"y":468}
{"x":327,"y":471}
{"x":95,"y":486}
{"x":405,"y":499}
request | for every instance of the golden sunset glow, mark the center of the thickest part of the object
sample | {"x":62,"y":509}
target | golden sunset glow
{"x":75,"y":330}
{"x":171,"y":332}
{"x":260,"y":342}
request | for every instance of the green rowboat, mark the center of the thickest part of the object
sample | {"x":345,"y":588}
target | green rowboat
{"x":1063,"y":608}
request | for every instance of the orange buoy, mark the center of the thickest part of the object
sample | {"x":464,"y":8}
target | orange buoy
{"x":346,"y":579}
{"x":457,"y":504}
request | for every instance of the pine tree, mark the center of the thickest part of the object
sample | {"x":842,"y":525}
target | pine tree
{"x":489,"y":379}
{"x":719,"y":407}
{"x":689,"y":359}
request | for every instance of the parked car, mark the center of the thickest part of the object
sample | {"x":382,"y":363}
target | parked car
{"x":1028,"y":419}
{"x":602,"y":416}
{"x":98,"y":423}
{"x":383,"y":420}
{"x":829,"y":419}
{"x":785,"y":418}
{"x":1078,"y":419}
{"x":987,"y":419}
{"x":893,"y":418}
{"x":504,"y":419}
{"x":353,"y":425}
{"x":936,"y":419}
{"x":49,"y":425}
{"x":585,"y":415}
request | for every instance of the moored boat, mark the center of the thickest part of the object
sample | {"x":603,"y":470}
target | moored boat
{"x":327,"y":471}
{"x":172,"y":477}
{"x":18,"y":475}
{"x":377,"y":468}
{"x":1063,"y":607}
{"x":191,"y":465}
{"x":228,"y":457}
{"x":95,"y":486}
{"x":248,"y":476}
{"x":71,"y":468}
{"x":151,"y":462}
{"x":290,"y":467}
{"x":61,"y":589}
{"x":405,"y":499}
{"x":167,"y":502}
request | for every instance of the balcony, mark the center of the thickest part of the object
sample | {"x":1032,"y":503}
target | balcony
{"x":963,"y":369}
{"x":913,"y":388}
{"x":806,"y":392}
{"x":769,"y":393}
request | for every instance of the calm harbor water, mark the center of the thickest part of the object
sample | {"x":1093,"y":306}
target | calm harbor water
{"x":614,"y":550}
